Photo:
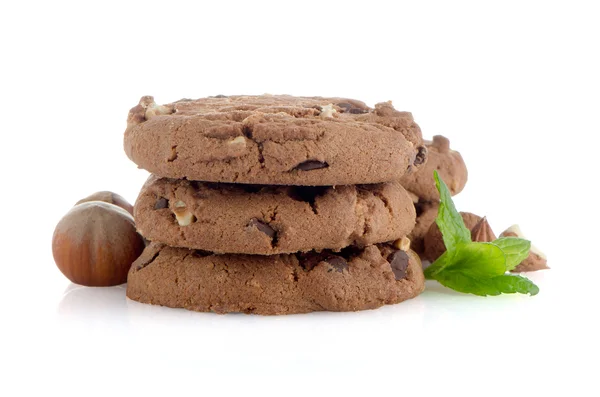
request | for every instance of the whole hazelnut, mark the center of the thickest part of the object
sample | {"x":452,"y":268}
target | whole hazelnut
{"x":95,"y":243}
{"x":108,"y":197}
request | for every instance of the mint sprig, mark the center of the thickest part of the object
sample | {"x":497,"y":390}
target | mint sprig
{"x":448,"y":219}
{"x":474,"y":267}
{"x":515,"y":249}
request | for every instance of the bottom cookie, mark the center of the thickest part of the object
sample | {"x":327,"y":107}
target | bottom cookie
{"x":350,"y":280}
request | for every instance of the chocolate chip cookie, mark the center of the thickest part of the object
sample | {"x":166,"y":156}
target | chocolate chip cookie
{"x":448,"y":163}
{"x":274,"y":139}
{"x":266,"y":220}
{"x":355,"y":279}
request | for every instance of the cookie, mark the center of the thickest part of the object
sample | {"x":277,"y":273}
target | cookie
{"x":355,"y":279}
{"x":274,"y":139}
{"x":426,"y":213}
{"x":448,"y":163}
{"x":266,"y":220}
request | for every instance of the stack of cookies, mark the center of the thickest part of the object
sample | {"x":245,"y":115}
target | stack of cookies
{"x":275,"y":204}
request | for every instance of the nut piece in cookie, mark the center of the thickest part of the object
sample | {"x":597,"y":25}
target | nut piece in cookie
{"x":147,"y":109}
{"x":535,"y":261}
{"x":327,"y":111}
{"x":182,"y":214}
{"x":402,"y":244}
{"x":237,"y":141}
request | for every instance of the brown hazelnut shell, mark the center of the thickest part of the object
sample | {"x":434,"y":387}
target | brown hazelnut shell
{"x":95,"y":243}
{"x":108,"y":197}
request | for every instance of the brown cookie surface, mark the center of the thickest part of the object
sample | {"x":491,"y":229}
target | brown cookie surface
{"x":355,"y":279}
{"x":449,"y":165}
{"x":266,"y":220}
{"x":274,"y":139}
{"x":426,"y":213}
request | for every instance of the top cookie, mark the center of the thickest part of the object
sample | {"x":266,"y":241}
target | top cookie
{"x":274,"y":139}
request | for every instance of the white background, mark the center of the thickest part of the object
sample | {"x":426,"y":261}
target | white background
{"x":514,"y":85}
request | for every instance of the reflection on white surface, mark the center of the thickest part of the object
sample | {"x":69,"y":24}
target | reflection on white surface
{"x":438,"y":332}
{"x":92,"y":303}
{"x":93,"y":307}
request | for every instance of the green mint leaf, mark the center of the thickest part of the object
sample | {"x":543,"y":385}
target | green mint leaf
{"x":504,"y":284}
{"x":473,"y":259}
{"x":515,"y":249}
{"x":449,"y":221}
{"x":472,"y":267}
{"x":440,"y":264}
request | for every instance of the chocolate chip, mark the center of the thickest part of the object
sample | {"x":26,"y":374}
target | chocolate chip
{"x":145,"y":260}
{"x":399,"y":262}
{"x":263,"y":227}
{"x":421,"y":156}
{"x":307,"y":194}
{"x":309,"y":260}
{"x":201,"y":253}
{"x":309,"y":165}
{"x":350,"y":252}
{"x":349,"y":108}
{"x":161,"y":203}
{"x":250,"y":188}
{"x":419,"y":208}
{"x":345,"y":105}
{"x":337,"y":262}
{"x":220,"y":96}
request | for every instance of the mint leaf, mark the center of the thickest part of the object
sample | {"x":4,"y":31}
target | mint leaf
{"x":473,"y":259}
{"x":449,"y":221}
{"x":439,"y":265}
{"x":515,"y":249}
{"x":472,"y":267}
{"x":504,"y":284}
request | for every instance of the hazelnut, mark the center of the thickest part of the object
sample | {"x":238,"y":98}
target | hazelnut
{"x":95,"y":243}
{"x":182,"y":214}
{"x":145,"y":110}
{"x":237,"y":141}
{"x":402,"y":244}
{"x":327,"y":110}
{"x":154,"y":110}
{"x":482,"y":232}
{"x":434,"y":243}
{"x":109,"y":197}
